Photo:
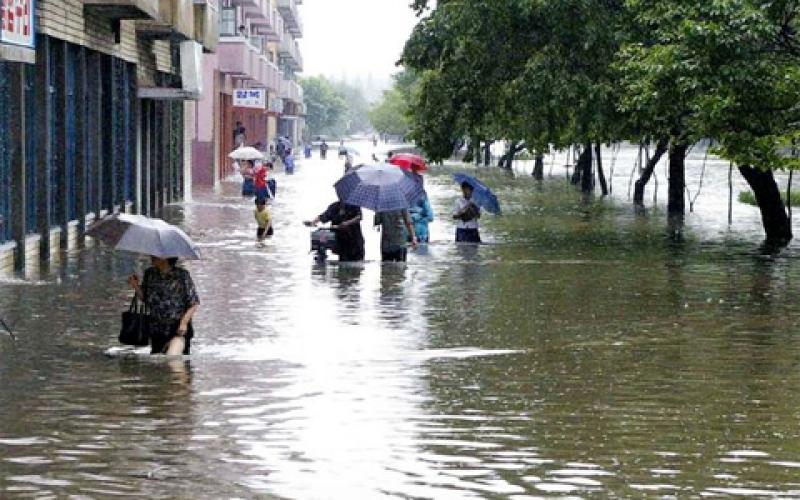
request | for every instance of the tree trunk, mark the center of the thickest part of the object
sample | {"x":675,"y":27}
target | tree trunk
{"x":676,"y":201}
{"x":587,"y":179}
{"x":538,"y":167}
{"x":773,"y":212}
{"x":577,"y":172}
{"x":507,"y":160}
{"x":583,"y":170}
{"x":601,"y":176}
{"x":487,"y":153}
{"x":638,"y":190}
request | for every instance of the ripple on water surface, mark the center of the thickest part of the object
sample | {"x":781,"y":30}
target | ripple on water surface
{"x":579,"y":354}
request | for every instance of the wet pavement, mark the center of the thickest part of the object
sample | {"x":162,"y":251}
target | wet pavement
{"x":579,"y":353}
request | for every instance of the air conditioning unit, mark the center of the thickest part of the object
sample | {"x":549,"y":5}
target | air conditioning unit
{"x":192,"y":67}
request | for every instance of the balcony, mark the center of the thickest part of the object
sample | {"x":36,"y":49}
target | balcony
{"x":277,"y":27}
{"x":289,"y":52}
{"x":175,"y":21}
{"x":291,"y":91}
{"x":270,"y":75}
{"x":122,"y":9}
{"x":206,"y":24}
{"x":291,"y":16}
{"x":238,"y":58}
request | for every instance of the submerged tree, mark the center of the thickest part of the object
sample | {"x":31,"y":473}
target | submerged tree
{"x":589,"y":72}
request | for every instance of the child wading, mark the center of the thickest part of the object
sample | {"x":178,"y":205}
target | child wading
{"x":264,"y":220}
{"x":466,"y":213}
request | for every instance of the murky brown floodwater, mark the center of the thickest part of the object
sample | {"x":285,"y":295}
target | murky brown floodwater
{"x":580,"y":352}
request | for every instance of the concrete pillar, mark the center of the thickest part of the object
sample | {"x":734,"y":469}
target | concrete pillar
{"x":219,"y":86}
{"x":140,"y":151}
{"x":44,"y":114}
{"x":96,"y":132}
{"x":17,"y":141}
{"x":189,"y":113}
{"x":59,"y":83}
{"x":81,"y":157}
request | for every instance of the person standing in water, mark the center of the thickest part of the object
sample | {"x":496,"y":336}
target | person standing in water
{"x":396,"y":231}
{"x":171,"y":297}
{"x":466,"y":213}
{"x":263,"y":219}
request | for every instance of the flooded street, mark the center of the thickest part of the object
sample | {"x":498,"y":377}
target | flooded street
{"x":579,"y":352}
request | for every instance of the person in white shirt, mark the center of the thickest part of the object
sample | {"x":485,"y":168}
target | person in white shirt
{"x":466,"y":213}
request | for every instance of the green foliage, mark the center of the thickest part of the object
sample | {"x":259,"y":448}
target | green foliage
{"x":326,"y":107}
{"x":389,"y":115}
{"x":748,"y":198}
{"x":577,"y":71}
{"x":356,"y":116}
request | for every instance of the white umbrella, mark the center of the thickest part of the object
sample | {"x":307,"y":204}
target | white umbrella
{"x":140,"y":234}
{"x":246,"y":153}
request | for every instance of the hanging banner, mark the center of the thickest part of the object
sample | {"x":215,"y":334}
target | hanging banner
{"x":17,"y":23}
{"x":250,"y":98}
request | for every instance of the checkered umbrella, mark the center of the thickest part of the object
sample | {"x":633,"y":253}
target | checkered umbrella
{"x":381,"y":187}
{"x":140,"y":234}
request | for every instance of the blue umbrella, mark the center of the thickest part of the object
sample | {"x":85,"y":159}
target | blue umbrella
{"x":481,"y":194}
{"x":381,"y":187}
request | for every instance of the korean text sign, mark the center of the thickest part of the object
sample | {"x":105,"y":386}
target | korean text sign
{"x":250,"y":98}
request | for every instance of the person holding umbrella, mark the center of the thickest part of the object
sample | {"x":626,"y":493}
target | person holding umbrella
{"x":169,"y":293}
{"x":388,"y":191}
{"x":467,"y":211}
{"x":166,"y":289}
{"x":420,"y":210}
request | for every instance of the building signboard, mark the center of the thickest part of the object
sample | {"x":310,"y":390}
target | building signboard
{"x":250,"y":98}
{"x":17,"y":25}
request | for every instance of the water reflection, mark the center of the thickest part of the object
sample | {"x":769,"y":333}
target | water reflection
{"x":581,"y":352}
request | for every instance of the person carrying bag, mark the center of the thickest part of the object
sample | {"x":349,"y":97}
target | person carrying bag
{"x":135,"y":328}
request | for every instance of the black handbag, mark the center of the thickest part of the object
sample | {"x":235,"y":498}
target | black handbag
{"x":135,"y":325}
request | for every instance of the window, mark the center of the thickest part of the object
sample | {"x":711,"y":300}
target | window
{"x":227,"y":22}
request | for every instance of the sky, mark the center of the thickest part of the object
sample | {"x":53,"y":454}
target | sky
{"x":354,"y":38}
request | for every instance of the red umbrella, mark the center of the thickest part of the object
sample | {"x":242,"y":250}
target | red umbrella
{"x":410,"y":162}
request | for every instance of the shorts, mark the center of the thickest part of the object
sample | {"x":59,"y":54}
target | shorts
{"x":394,"y":255}
{"x":162,"y":332}
{"x":467,"y":236}
{"x":263,"y":230}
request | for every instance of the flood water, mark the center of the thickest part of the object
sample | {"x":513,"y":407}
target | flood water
{"x":580,"y":352}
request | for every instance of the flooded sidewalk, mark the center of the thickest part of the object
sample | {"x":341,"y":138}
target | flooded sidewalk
{"x":579,"y":352}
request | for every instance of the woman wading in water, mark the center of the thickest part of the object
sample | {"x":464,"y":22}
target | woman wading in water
{"x":171,"y":297}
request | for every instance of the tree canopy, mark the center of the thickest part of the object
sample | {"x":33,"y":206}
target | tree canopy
{"x":325,"y":106}
{"x":577,"y":71}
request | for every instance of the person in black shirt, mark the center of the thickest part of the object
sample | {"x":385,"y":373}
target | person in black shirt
{"x":346,"y":221}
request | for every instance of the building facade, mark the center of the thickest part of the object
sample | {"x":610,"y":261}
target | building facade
{"x":257,"y":51}
{"x":94,"y":115}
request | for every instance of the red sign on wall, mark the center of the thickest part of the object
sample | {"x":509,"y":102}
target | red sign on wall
{"x":17,"y":22}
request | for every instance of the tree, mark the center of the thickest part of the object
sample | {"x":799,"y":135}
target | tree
{"x":356,"y":117}
{"x":726,"y":70}
{"x":325,"y":106}
{"x":389,"y":115}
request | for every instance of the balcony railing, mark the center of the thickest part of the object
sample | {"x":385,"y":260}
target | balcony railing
{"x":206,"y":24}
{"x":291,"y":91}
{"x":237,"y":58}
{"x":271,"y":76}
{"x":289,"y":52}
{"x":175,"y":20}
{"x":291,"y":16}
{"x":123,"y":9}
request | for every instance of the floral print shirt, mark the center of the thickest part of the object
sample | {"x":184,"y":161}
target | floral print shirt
{"x":169,"y":295}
